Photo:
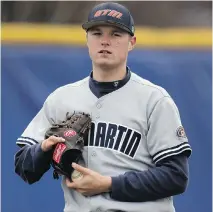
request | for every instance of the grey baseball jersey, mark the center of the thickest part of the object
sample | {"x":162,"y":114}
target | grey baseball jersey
{"x":133,"y":128}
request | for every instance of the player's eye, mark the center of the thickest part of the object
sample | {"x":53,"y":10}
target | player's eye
{"x":116,"y":34}
{"x":96,"y":33}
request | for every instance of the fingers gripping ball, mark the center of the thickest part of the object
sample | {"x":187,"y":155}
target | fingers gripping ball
{"x":74,"y":129}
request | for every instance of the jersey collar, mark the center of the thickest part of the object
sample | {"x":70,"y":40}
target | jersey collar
{"x":100,"y":89}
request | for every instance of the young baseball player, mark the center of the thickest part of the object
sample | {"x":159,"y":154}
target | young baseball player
{"x":136,"y":157}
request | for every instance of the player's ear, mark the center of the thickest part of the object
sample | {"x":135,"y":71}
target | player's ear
{"x":132,"y":43}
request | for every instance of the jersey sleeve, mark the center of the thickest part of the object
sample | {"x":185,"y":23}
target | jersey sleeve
{"x":166,"y":136}
{"x":35,"y":131}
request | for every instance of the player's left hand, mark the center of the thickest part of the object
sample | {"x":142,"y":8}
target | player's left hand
{"x":91,"y":183}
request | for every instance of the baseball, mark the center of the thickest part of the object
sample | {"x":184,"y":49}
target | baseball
{"x":76,"y":175}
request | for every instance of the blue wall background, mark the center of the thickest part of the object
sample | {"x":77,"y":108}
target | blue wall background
{"x":30,"y":73}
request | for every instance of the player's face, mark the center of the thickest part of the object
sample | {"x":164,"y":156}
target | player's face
{"x":109,"y":46}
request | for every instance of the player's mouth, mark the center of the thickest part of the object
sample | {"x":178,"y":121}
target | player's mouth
{"x":105,"y":52}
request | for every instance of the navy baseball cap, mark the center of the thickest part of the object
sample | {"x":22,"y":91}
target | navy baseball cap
{"x":112,"y":14}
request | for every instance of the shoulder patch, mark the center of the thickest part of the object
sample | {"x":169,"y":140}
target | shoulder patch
{"x":181,"y":132}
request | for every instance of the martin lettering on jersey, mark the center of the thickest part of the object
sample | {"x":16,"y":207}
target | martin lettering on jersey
{"x":115,"y":137}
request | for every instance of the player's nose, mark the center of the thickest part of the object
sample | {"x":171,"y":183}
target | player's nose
{"x":105,"y":41}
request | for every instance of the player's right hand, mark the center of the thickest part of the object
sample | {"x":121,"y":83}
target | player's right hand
{"x":50,"y":142}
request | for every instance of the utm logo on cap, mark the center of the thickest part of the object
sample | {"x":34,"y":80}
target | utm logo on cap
{"x":108,"y":12}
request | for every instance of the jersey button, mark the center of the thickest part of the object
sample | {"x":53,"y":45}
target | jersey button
{"x":93,"y":153}
{"x":98,"y":106}
{"x":98,"y":210}
{"x":97,"y":116}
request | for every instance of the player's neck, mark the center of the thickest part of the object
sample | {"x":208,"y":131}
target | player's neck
{"x":103,"y":75}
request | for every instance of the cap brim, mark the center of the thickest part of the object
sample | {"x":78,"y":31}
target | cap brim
{"x":88,"y":25}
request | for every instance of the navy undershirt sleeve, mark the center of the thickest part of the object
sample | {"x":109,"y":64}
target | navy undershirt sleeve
{"x":31,"y":163}
{"x":168,"y":178}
